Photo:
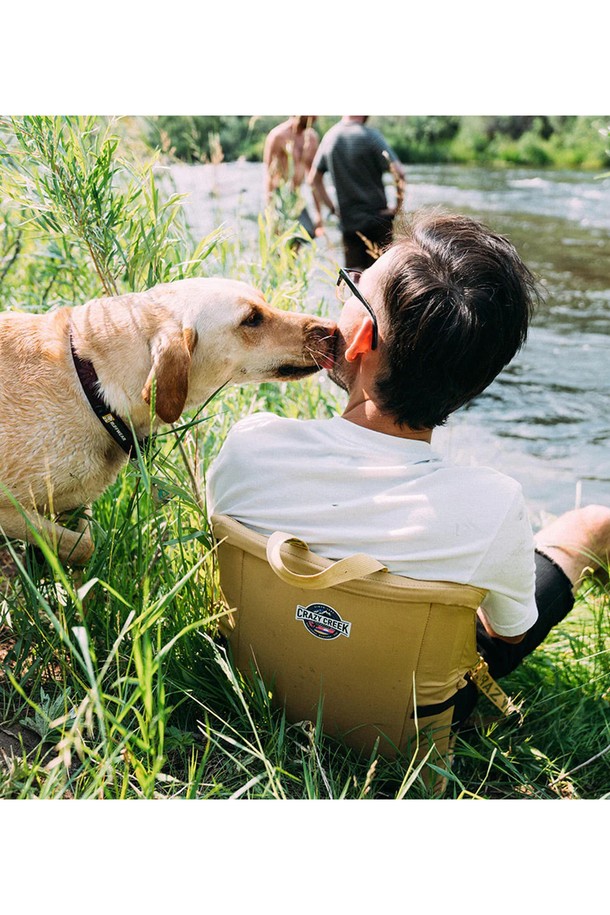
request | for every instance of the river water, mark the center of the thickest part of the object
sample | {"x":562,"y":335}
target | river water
{"x":546,"y":419}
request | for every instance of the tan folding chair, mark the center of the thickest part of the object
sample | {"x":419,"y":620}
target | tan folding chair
{"x":382,"y":654}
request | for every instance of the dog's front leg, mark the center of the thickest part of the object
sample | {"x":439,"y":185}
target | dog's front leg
{"x":72,"y":546}
{"x":80,"y":523}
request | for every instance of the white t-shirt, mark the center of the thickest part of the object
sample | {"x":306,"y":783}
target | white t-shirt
{"x":345,"y":489}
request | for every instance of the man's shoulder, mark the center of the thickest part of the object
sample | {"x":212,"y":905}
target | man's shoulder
{"x":492,"y":490}
{"x":282,"y":127}
{"x":334,"y":133}
{"x":484,"y":475}
{"x":354,"y":135}
{"x":477,"y":479}
{"x":374,"y":137}
{"x":266,"y":424}
{"x":256,"y":421}
{"x":281,"y":431}
{"x":374,"y":132}
{"x":279,"y":133}
{"x":268,"y":438}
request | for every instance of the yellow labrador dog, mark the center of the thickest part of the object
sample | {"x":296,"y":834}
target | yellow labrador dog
{"x":74,"y":382}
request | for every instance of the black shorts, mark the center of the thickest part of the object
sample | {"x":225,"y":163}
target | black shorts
{"x":358,"y":255}
{"x":554,"y":599}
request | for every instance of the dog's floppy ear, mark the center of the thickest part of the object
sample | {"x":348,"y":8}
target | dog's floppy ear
{"x":171,"y":363}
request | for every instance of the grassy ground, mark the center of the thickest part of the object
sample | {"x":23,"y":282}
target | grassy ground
{"x":127,"y":692}
{"x":114,"y":684}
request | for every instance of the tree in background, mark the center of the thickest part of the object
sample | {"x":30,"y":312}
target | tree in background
{"x":562,"y":141}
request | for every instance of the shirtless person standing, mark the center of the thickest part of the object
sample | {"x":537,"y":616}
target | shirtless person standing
{"x":288,"y":155}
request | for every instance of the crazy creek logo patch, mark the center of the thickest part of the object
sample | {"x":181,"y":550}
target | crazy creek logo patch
{"x":322,"y":621}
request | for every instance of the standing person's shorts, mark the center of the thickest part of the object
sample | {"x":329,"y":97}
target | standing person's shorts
{"x":358,"y":254}
{"x":554,"y":599}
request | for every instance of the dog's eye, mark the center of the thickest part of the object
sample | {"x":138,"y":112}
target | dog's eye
{"x":253,"y":318}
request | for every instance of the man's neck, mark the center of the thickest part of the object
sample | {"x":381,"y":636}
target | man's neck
{"x":367,"y":414}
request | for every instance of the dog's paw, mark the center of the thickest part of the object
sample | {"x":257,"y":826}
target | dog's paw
{"x":82,"y":552}
{"x":76,"y":549}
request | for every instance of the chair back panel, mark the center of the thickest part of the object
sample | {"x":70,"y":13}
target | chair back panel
{"x":360,"y":647}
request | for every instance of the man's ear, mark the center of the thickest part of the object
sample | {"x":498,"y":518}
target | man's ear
{"x":361,"y":342}
{"x":171,"y":362}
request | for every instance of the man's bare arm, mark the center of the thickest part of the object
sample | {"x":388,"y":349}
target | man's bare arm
{"x":511,"y":639}
{"x":320,"y":195}
{"x":271,"y":163}
{"x":400,"y":180}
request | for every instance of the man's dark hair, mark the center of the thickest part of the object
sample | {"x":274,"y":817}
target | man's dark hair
{"x":457,"y":303}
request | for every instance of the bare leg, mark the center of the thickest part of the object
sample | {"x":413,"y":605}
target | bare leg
{"x":578,"y":541}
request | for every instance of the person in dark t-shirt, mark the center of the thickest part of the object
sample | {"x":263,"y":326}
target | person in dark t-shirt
{"x":356,"y":158}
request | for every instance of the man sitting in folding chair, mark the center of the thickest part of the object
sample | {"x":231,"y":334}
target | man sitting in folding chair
{"x":422,"y":332}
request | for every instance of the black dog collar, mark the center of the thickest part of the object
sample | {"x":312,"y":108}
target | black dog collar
{"x":114,"y":425}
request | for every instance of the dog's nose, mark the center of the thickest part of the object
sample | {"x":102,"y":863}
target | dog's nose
{"x":321,"y":331}
{"x":321,"y":336}
{"x":323,"y":325}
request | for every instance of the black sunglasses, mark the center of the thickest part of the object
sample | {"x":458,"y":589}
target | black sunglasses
{"x":344,"y":277}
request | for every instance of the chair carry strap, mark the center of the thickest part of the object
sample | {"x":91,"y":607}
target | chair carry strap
{"x":356,"y":566}
{"x":485,"y":683}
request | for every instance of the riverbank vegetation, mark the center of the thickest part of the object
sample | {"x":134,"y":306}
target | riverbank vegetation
{"x":558,"y":141}
{"x":115,"y":684}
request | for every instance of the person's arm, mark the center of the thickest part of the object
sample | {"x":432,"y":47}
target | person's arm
{"x":507,"y":571}
{"x":311,"y":144}
{"x":400,"y":180}
{"x":319,"y":194}
{"x":269,"y":161}
{"x":512,"y":640}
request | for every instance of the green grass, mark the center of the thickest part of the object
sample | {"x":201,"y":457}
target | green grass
{"x":117,"y":677}
{"x":130,"y":691}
